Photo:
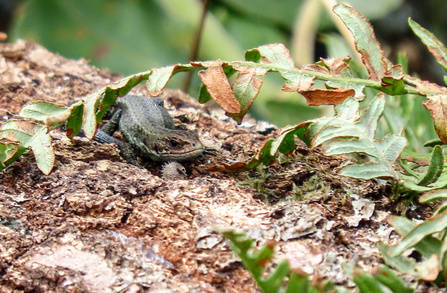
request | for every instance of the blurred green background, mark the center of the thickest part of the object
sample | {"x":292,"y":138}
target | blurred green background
{"x":128,"y":36}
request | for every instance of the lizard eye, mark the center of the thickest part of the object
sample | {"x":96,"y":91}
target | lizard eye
{"x":173,"y":143}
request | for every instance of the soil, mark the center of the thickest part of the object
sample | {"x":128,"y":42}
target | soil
{"x":99,"y":224}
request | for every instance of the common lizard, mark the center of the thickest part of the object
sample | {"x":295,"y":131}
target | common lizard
{"x":150,"y":132}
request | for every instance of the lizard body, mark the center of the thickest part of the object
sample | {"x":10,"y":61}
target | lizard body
{"x":150,"y":132}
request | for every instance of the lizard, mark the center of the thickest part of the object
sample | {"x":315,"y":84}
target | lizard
{"x":149,"y":130}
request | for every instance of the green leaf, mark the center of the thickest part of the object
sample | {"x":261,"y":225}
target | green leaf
{"x":417,"y":176}
{"x":388,"y":278}
{"x":409,"y":183}
{"x":340,"y":68}
{"x":435,"y":168}
{"x":91,"y":104}
{"x":403,"y":61}
{"x":108,"y":99}
{"x":110,"y":93}
{"x":441,"y":208}
{"x":160,"y":77}
{"x":433,"y":225}
{"x":433,"y":195}
{"x":435,"y":47}
{"x":253,"y":55}
{"x":393,"y":85}
{"x":74,"y":122}
{"x":10,"y":151}
{"x":345,"y":133}
{"x":123,"y":86}
{"x":417,"y":158}
{"x":402,"y":225}
{"x":273,"y":282}
{"x":367,"y":283}
{"x":401,"y":263}
{"x":443,"y":256}
{"x":264,"y":156}
{"x":285,"y":144}
{"x":256,"y":261}
{"x":229,"y":70}
{"x":433,"y":142}
{"x":52,"y":115}
{"x":427,"y":246}
{"x":367,"y":171}
{"x":246,"y":89}
{"x":340,"y":289}
{"x":34,"y":135}
{"x":366,"y":42}
{"x":277,"y":56}
{"x":348,"y":111}
{"x":204,"y":95}
{"x":434,"y":178}
{"x":297,"y":283}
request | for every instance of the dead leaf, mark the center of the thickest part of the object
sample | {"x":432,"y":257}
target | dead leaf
{"x":314,"y":68}
{"x":318,"y":97}
{"x":429,"y":268}
{"x":422,"y":85}
{"x":420,"y":162}
{"x":437,"y":105}
{"x":340,"y":68}
{"x":395,"y":71}
{"x":336,"y":66}
{"x":217,"y":84}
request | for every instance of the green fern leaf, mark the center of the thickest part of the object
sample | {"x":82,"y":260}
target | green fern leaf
{"x":347,"y":133}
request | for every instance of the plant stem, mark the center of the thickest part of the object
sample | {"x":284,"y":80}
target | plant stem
{"x":427,"y":89}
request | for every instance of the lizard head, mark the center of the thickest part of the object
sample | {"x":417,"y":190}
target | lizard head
{"x":174,"y":145}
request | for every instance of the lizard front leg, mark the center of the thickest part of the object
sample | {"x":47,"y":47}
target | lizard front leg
{"x":128,"y":153}
{"x":104,"y":135}
{"x":112,"y":126}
